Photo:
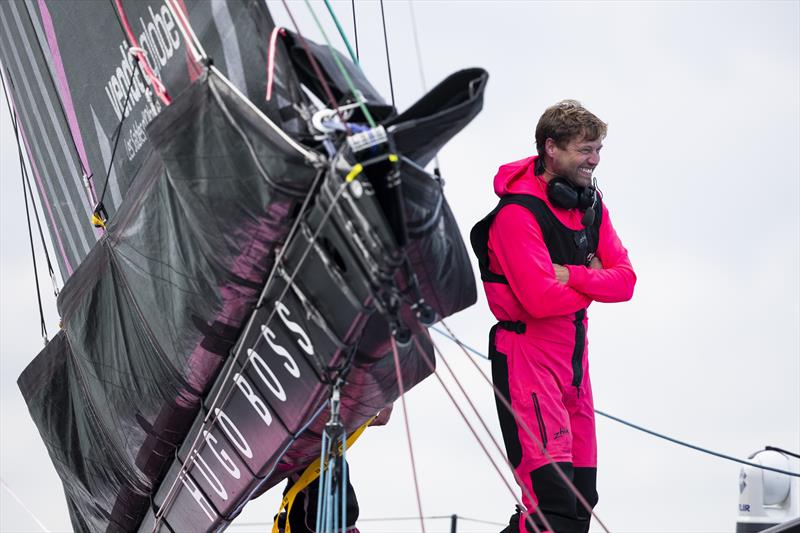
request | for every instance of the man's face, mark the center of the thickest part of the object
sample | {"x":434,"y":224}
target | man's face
{"x":576,"y":161}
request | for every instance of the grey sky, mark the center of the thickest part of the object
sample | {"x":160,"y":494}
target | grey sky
{"x":701,"y":171}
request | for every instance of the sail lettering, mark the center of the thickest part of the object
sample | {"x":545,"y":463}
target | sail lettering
{"x":198,"y":496}
{"x":254,"y":399}
{"x":272,"y":382}
{"x":290,"y":364}
{"x":204,"y":469}
{"x":222,"y":456}
{"x":304,"y":342}
{"x":233,"y":433}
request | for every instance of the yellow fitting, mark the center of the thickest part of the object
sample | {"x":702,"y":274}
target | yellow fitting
{"x":98,"y":222}
{"x":393,"y":158}
{"x":354,"y":172}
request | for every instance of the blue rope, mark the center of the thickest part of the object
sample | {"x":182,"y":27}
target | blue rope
{"x":634,"y":426}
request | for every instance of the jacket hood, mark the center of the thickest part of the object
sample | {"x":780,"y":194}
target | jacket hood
{"x":519,"y":178}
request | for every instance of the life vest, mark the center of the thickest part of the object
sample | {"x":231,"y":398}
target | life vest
{"x":566,"y":247}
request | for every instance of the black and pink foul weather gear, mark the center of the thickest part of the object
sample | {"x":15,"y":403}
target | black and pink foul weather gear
{"x":539,"y":346}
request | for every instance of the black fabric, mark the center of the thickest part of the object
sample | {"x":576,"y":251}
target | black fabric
{"x":508,"y":425}
{"x":585,"y":480}
{"x":557,"y":502}
{"x":578,"y":349}
{"x":566,"y":246}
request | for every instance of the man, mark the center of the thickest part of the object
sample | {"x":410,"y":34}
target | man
{"x":546,"y":252}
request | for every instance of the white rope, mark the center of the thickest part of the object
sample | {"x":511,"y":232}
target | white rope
{"x":22,"y":504}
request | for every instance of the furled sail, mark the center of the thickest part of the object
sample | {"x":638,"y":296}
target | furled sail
{"x":243,"y":271}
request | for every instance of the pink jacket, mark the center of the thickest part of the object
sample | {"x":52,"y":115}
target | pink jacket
{"x":517,"y":251}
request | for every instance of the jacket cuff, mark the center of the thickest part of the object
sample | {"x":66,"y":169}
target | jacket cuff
{"x":577,"y":276}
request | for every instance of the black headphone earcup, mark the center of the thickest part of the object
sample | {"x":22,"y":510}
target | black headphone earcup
{"x":562,"y":194}
{"x":586,"y":198}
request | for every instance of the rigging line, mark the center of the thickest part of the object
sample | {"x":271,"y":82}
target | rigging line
{"x":391,"y":519}
{"x":170,"y":497}
{"x":698,"y":448}
{"x":314,"y":65}
{"x":356,"y":93}
{"x":42,"y":323}
{"x":355,"y":27}
{"x":158,"y":86}
{"x":526,"y":428}
{"x":408,"y":428}
{"x":87,"y":174}
{"x":486,"y":428}
{"x":353,"y":55}
{"x":24,"y":172}
{"x":418,"y":50}
{"x":388,"y":61}
{"x":537,"y":510}
{"x":117,"y":134}
{"x":622,"y":421}
{"x":781,"y":450}
{"x":317,"y":70}
{"x":471,"y":349}
{"x":22,"y":504}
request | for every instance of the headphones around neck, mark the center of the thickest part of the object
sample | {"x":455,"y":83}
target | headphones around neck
{"x":562,"y":193}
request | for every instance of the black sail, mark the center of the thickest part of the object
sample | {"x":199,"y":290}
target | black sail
{"x":238,"y":274}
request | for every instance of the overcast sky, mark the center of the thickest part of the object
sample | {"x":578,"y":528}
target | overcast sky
{"x":701,"y":172}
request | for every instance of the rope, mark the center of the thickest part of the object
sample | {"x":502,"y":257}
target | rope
{"x":117,"y":134}
{"x":22,"y":504}
{"x":781,"y":450}
{"x":418,"y":50}
{"x":358,"y":98}
{"x":355,"y":27}
{"x":651,"y":432}
{"x":23,"y":176}
{"x":520,"y":422}
{"x":42,"y":324}
{"x":353,"y":55}
{"x":692,"y":446}
{"x":438,"y":517}
{"x":317,"y":70}
{"x":386,"y":47}
{"x":480,"y":442}
{"x":158,"y":87}
{"x":408,"y":428}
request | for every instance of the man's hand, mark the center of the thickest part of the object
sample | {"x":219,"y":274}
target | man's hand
{"x":595,"y":263}
{"x":562,"y":273}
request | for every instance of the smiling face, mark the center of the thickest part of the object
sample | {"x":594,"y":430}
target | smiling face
{"x":576,"y":161}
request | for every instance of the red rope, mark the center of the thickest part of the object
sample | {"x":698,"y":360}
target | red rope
{"x":408,"y":429}
{"x":158,"y":87}
{"x":475,"y":433}
{"x":273,"y":41}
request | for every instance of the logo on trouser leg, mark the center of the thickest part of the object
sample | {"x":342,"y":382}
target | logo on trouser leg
{"x":560,"y":433}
